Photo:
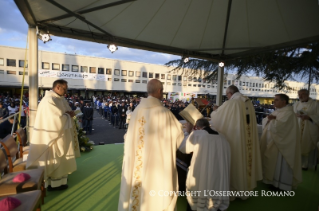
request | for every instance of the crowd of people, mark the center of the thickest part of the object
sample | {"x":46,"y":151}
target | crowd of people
{"x":10,"y":105}
{"x":118,"y":110}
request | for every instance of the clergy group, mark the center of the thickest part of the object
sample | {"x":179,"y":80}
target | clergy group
{"x":227,"y":152}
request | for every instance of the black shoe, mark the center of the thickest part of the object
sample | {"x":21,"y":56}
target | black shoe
{"x":305,"y":169}
{"x":62,"y":187}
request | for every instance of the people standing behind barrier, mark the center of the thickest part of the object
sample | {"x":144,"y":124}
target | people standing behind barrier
{"x":87,"y":118}
{"x":110,"y":112}
{"x":114,"y":117}
{"x":100,"y":107}
{"x":82,"y":104}
{"x":122,"y":115}
{"x":77,"y":106}
{"x":97,"y":104}
{"x":132,"y":106}
{"x":106,"y":110}
{"x":174,"y":110}
{"x":12,"y":108}
{"x":4,"y":112}
{"x":23,"y":115}
{"x":259,"y":114}
{"x":72,"y":105}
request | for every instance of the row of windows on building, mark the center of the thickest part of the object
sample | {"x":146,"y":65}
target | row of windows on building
{"x":171,"y":83}
{"x":266,"y":86}
{"x":117,"y":72}
{"x":12,"y":63}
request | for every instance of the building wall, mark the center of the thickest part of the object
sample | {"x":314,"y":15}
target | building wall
{"x":12,"y":76}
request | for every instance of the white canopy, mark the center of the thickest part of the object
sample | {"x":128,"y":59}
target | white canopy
{"x":210,"y":29}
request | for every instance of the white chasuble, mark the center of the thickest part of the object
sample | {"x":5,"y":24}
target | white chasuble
{"x":280,"y":148}
{"x":209,"y":170}
{"x":236,"y":120}
{"x":309,"y":129}
{"x":52,"y":142}
{"x":149,"y":163}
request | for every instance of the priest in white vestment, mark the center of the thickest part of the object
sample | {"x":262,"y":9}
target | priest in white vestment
{"x":307,"y":111}
{"x":52,"y":142}
{"x":149,"y":164}
{"x":280,"y":146}
{"x":236,"y":120}
{"x":209,"y":169}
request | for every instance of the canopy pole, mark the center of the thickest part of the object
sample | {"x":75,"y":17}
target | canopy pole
{"x":33,"y":77}
{"x":220,"y":84}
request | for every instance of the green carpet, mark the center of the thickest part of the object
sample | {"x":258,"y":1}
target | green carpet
{"x":96,"y":184}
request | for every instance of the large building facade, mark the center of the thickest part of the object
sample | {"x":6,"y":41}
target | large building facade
{"x":102,"y":75}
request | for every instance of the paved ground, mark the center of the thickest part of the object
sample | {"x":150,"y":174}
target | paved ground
{"x":104,"y":132}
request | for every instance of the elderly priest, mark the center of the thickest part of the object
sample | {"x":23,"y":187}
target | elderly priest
{"x":280,"y":146}
{"x":209,"y":169}
{"x":307,"y":111}
{"x":236,"y":120}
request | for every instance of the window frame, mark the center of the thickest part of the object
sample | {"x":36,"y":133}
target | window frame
{"x":65,"y":65}
{"x":73,"y":68}
{"x":55,"y":64}
{"x":11,"y":60}
{"x":144,"y":74}
{"x":92,"y":68}
{"x":45,"y":63}
{"x":98,"y":70}
{"x":117,"y":72}
{"x":108,"y":71}
{"x":23,"y":63}
{"x":82,"y":69}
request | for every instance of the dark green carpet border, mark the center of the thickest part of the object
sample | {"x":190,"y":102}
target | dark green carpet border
{"x":96,"y":184}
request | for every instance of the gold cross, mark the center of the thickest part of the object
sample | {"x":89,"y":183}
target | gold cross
{"x":142,"y":121}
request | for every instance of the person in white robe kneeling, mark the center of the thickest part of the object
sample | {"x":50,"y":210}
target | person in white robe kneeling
{"x":280,"y":146}
{"x":209,"y":170}
{"x":149,"y":174}
{"x":307,"y":111}
{"x":52,"y":143}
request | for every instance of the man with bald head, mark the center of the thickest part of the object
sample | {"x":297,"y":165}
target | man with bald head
{"x":149,"y":163}
{"x":236,"y":120}
{"x":307,"y":111}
